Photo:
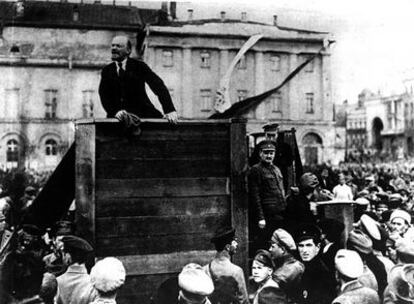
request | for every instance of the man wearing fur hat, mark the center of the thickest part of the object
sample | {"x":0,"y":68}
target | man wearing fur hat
{"x":107,"y":276}
{"x":74,"y":286}
{"x":228,"y":278}
{"x":349,"y":267}
{"x":288,"y":271}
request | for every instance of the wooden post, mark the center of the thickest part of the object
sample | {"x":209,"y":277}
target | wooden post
{"x":238,"y":157}
{"x":85,"y":181}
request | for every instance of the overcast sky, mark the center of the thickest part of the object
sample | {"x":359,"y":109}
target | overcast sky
{"x":375,"y":39}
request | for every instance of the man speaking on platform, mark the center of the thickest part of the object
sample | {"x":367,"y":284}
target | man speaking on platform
{"x":122,"y":86}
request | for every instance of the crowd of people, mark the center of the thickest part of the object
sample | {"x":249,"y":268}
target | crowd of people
{"x":297,"y":255}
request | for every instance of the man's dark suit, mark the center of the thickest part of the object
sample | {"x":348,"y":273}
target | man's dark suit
{"x":128,"y":92}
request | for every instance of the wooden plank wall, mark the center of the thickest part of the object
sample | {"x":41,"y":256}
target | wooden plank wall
{"x":160,"y":197}
{"x":85,"y":181}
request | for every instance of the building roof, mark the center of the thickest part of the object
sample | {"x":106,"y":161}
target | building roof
{"x":76,"y":15}
{"x":230,"y":27}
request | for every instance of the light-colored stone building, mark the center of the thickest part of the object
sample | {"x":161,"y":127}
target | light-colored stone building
{"x":381,"y":124}
{"x":51,"y":55}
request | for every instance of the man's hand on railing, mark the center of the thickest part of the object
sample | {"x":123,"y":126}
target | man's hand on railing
{"x":172,"y":117}
{"x":120,"y":115}
{"x":128,"y":119}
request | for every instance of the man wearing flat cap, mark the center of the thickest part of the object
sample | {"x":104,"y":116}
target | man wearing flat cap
{"x":349,"y":267}
{"x":228,"y":278}
{"x":107,"y":276}
{"x":194,"y":285}
{"x":374,"y":275}
{"x":288,"y":271}
{"x":318,"y":283}
{"x":267,"y":194}
{"x":74,"y":286}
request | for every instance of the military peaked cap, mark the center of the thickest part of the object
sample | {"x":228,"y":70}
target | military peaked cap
{"x":264,"y":257}
{"x":224,"y":235}
{"x":75,"y":242}
{"x":267,"y":145}
{"x":308,"y":231}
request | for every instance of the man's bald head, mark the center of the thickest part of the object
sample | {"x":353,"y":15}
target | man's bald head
{"x":120,"y":48}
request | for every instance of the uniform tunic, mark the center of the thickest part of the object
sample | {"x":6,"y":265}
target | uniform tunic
{"x":228,"y":279}
{"x":75,"y":287}
{"x":269,"y":293}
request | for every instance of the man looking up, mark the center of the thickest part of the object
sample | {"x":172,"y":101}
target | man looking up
{"x":122,"y":86}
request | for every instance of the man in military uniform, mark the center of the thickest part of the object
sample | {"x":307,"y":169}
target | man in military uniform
{"x":267,"y":195}
{"x":288,"y":271}
{"x":228,"y":278}
{"x":74,"y":286}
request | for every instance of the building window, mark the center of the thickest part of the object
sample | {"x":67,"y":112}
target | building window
{"x":87,"y":103}
{"x":241,"y":95}
{"x":242,"y":65}
{"x":309,"y":103}
{"x":275,"y":63}
{"x":50,"y":103}
{"x":309,"y":68}
{"x":50,"y":147}
{"x":12,"y":101}
{"x":205,"y":59}
{"x":12,"y":151}
{"x":167,"y":58}
{"x":206,"y":100}
{"x":276,"y":103}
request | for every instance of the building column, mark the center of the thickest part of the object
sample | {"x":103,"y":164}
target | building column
{"x":326,"y":88}
{"x":259,"y":85}
{"x":293,"y":98}
{"x":186,"y":85}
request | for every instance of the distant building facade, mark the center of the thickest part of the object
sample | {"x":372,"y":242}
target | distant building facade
{"x":51,"y":55}
{"x":381,"y":125}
